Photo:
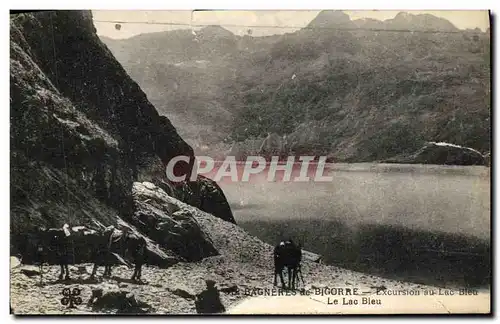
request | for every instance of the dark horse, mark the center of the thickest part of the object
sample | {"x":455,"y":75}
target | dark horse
{"x":287,"y":254}
{"x":112,"y":245}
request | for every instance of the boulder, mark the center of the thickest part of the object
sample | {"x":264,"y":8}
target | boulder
{"x":30,"y":273}
{"x":310,"y":256}
{"x":447,"y":154}
{"x":121,"y":301}
{"x":207,"y":196}
{"x":172,"y":227}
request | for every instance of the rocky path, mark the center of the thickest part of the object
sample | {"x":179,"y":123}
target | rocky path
{"x":243,"y":273}
{"x":172,"y":290}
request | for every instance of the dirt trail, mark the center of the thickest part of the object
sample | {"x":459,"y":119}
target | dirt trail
{"x":169,"y":291}
{"x":242,"y":271}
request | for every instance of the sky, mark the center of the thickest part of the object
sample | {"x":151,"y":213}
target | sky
{"x":134,"y":22}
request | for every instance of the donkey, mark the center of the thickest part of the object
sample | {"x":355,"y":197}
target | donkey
{"x":55,"y":244}
{"x":112,"y":245}
{"x":287,"y":254}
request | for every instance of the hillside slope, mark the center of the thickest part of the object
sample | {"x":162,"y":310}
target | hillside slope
{"x":363,"y":90}
{"x":82,"y":132}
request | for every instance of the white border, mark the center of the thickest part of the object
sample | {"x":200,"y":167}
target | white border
{"x":190,"y":4}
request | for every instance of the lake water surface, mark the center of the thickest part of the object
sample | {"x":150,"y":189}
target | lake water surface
{"x":424,"y":223}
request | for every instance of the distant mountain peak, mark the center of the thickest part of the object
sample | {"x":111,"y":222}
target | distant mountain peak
{"x":403,"y":15}
{"x":406,"y":20}
{"x":329,"y":18}
{"x":215,"y":30}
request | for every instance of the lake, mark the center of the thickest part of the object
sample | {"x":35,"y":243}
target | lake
{"x":425,"y":223}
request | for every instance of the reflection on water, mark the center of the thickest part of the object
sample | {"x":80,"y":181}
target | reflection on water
{"x":392,"y":219}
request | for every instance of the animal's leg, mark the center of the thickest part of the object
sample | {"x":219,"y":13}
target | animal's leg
{"x":281,"y":278}
{"x":106,"y":270}
{"x":137,"y":272}
{"x":295,"y":278}
{"x":140,"y":271}
{"x":67,"y":271}
{"x":278,"y":272}
{"x":107,"y":265}
{"x":134,"y":275}
{"x":94,"y":270}
{"x":62,"y":271}
{"x":290,"y":275}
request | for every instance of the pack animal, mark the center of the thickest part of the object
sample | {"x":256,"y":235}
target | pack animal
{"x":287,"y":254}
{"x":107,"y":247}
{"x":54,"y":245}
{"x":111,"y":245}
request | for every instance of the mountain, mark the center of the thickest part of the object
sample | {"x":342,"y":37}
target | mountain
{"x":83,"y":132}
{"x":331,"y":19}
{"x":421,"y":22}
{"x":369,"y":23}
{"x":368,"y":89}
{"x":404,"y":21}
{"x":183,"y":73}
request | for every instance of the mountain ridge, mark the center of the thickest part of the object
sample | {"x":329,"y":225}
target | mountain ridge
{"x":347,"y":79}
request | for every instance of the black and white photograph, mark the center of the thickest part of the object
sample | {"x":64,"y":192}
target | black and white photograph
{"x":250,"y":162}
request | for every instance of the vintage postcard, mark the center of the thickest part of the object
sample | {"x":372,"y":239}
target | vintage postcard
{"x":250,"y":162}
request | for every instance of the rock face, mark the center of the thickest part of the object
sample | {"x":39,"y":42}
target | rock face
{"x":172,"y":226}
{"x":445,"y":154}
{"x":82,"y":131}
{"x":205,"y":194}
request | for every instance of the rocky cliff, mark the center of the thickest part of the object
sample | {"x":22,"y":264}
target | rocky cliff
{"x":82,"y":132}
